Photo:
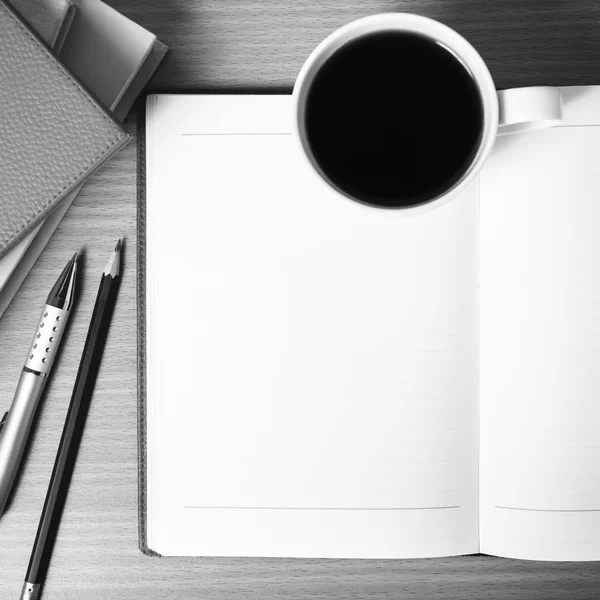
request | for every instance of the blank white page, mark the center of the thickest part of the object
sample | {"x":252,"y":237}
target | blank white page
{"x":540,"y":339}
{"x":311,"y":360}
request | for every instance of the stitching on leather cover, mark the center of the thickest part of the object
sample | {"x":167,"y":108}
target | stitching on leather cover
{"x":119,"y":133}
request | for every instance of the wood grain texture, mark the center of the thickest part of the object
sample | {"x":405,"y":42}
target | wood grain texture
{"x":239,"y":45}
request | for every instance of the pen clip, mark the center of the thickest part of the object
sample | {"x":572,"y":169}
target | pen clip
{"x":3,"y":420}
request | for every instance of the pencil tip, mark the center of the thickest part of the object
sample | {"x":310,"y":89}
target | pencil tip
{"x":74,"y":259}
{"x":113,"y":266}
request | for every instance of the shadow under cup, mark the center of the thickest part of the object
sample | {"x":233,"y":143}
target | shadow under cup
{"x":393,"y":119}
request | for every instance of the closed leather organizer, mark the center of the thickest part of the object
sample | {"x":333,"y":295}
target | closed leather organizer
{"x":53,"y":134}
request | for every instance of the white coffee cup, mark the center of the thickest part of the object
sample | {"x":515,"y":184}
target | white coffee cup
{"x":509,"y":111}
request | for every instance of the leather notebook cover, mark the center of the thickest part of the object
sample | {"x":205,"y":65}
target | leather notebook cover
{"x":128,"y":94}
{"x":53,"y":134}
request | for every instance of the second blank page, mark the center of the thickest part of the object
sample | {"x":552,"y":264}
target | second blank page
{"x":540,"y":340}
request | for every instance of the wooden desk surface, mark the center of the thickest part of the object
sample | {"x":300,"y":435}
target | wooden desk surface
{"x":240,"y":45}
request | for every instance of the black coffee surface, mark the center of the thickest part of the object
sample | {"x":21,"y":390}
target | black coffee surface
{"x":393,"y":119}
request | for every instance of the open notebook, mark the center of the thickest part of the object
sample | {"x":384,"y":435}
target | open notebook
{"x":320,"y":378}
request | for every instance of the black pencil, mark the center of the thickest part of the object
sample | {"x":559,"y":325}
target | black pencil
{"x":73,"y":428}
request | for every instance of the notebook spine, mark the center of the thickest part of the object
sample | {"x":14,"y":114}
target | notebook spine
{"x":141,"y":330}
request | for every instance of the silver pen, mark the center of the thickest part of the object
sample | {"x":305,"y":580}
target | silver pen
{"x":16,"y":424}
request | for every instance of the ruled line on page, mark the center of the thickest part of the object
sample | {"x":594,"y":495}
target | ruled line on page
{"x":558,"y":510}
{"x":246,"y":133}
{"x":322,"y":508}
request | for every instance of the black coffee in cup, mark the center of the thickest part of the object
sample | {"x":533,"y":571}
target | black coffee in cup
{"x":393,"y":119}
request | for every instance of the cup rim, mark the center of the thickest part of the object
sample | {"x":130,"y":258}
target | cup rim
{"x":440,"y":33}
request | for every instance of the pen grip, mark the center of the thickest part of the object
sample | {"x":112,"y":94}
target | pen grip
{"x":16,"y":430}
{"x":46,"y":340}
